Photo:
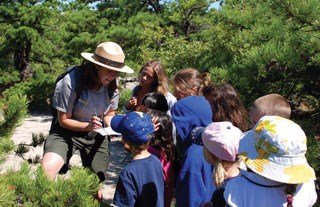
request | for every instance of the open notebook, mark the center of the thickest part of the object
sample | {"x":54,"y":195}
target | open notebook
{"x":107,"y":131}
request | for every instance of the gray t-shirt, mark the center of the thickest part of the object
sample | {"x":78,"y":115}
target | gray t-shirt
{"x":90,"y":103}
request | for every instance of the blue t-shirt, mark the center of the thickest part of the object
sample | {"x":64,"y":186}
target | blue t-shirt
{"x":141,"y":184}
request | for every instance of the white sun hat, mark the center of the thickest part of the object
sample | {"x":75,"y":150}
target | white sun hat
{"x":275,"y":148}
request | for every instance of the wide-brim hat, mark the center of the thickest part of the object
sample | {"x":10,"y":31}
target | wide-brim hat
{"x":275,"y":148}
{"x":110,"y":56}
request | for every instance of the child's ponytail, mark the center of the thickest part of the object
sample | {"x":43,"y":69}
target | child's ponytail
{"x":290,"y":189}
{"x":218,"y":173}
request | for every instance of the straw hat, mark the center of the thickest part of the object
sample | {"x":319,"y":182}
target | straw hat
{"x":275,"y":148}
{"x":110,"y":56}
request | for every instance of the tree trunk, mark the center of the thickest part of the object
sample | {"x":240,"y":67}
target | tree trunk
{"x":22,"y":60}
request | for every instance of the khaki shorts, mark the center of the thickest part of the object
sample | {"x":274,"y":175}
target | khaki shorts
{"x":94,"y":152}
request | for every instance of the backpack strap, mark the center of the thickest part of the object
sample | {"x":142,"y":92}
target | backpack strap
{"x":78,"y":90}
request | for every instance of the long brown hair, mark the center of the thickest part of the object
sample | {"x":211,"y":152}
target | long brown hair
{"x":161,"y":80}
{"x":226,"y":105}
{"x":163,"y":136}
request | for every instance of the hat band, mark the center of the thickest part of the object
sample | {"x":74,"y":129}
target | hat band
{"x":107,"y":61}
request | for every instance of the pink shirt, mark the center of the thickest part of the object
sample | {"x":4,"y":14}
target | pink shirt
{"x":168,"y":174}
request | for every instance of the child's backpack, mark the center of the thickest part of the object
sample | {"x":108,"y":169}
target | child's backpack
{"x":79,"y":88}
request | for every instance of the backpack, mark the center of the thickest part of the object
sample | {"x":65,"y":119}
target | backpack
{"x":79,"y":88}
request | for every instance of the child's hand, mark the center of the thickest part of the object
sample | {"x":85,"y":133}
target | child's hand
{"x":132,"y":103}
{"x":156,"y":124}
{"x":99,"y":194}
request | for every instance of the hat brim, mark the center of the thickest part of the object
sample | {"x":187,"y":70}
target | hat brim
{"x":283,"y":169}
{"x":89,"y":56}
{"x":116,"y":123}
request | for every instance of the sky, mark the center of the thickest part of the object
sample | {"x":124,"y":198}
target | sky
{"x":215,"y":5}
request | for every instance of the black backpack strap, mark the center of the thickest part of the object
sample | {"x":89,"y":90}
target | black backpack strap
{"x":78,"y":89}
{"x":79,"y":81}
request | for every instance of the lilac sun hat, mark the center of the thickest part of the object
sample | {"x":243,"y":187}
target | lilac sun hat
{"x":222,"y":140}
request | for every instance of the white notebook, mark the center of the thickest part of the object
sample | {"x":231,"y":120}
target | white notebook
{"x":107,"y":131}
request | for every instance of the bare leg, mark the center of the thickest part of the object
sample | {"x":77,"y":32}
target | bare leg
{"x":51,"y":164}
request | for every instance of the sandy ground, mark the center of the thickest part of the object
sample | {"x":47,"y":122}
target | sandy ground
{"x":37,"y":124}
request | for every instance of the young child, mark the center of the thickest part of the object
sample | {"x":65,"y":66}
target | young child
{"x":157,"y":101}
{"x":189,"y":82}
{"x":140,"y":183}
{"x":152,"y":78}
{"x":154,"y":101}
{"x":272,"y":104}
{"x":221,"y":143}
{"x":226,"y":105}
{"x":162,"y":146}
{"x":278,"y":171}
{"x":194,"y":185}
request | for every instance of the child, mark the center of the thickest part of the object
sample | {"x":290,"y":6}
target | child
{"x":152,"y":78}
{"x":162,"y":146}
{"x":140,"y":183}
{"x":271,"y":104}
{"x":189,"y":82}
{"x":226,"y":105}
{"x":154,"y":101}
{"x":157,"y":101}
{"x":278,"y":171}
{"x":194,"y":185}
{"x":221,"y":143}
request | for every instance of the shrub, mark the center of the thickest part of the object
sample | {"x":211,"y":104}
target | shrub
{"x":37,"y":91}
{"x":125,"y":95}
{"x":31,"y":187}
{"x":14,"y":110}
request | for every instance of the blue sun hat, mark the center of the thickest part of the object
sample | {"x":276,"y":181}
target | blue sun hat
{"x":275,"y":148}
{"x":135,"y":127}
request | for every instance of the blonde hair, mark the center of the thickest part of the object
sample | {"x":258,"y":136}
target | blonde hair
{"x":189,"y":78}
{"x":221,"y":167}
{"x":272,"y":104}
